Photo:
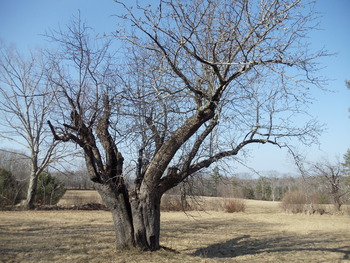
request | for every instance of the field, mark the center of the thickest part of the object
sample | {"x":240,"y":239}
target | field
{"x":261,"y":234}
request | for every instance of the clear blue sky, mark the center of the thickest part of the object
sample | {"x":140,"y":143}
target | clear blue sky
{"x":22,"y":22}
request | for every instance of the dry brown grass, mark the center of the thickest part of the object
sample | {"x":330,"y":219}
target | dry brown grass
{"x":76,"y":198}
{"x":79,"y":197}
{"x":262,"y":234}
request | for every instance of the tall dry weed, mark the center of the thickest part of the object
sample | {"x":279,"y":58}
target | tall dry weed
{"x":294,"y":202}
{"x":234,"y":205}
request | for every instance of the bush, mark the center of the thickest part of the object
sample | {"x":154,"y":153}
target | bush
{"x":9,"y":189}
{"x":234,"y":205}
{"x":49,"y":190}
{"x":294,"y":202}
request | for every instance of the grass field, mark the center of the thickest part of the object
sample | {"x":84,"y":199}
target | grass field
{"x":262,"y":234}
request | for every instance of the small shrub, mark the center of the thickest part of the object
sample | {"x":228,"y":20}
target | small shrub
{"x":294,"y":202}
{"x":234,"y":205}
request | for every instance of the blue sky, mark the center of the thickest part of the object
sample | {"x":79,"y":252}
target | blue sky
{"x":22,"y":22}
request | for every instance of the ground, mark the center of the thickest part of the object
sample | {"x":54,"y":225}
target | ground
{"x":261,"y":234}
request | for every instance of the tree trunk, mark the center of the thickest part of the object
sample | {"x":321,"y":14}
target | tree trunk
{"x":337,"y":203}
{"x":118,"y":202}
{"x":136,"y":221}
{"x":31,"y":191}
{"x":146,"y":221}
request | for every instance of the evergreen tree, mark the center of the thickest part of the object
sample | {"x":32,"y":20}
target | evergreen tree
{"x":49,"y":190}
{"x":346,"y":163}
{"x":9,"y":190}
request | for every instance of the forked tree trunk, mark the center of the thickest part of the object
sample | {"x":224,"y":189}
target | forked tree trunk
{"x":136,"y":222}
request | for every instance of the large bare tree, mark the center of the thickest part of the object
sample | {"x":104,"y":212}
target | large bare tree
{"x":200,"y":81}
{"x":26,"y":103}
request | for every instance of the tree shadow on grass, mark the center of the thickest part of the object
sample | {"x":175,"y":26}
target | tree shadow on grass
{"x":35,"y":241}
{"x":246,"y":245}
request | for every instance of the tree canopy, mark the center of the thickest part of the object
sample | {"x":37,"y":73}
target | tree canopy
{"x":196,"y":82}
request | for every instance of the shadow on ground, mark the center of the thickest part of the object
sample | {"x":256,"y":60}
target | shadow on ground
{"x":246,"y":245}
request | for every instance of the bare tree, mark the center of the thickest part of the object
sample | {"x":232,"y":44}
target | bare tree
{"x":201,"y":80}
{"x":25,"y":106}
{"x":16,"y":163}
{"x":333,"y":174}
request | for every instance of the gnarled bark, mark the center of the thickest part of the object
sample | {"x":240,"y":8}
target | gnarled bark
{"x":121,"y":213}
{"x":136,"y":221}
{"x":146,"y":221}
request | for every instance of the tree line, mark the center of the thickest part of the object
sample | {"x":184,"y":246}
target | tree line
{"x":329,"y":184}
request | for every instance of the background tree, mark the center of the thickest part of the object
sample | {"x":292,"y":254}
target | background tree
{"x":346,"y":163}
{"x":9,"y":189}
{"x":334,"y":177}
{"x":215,"y":176}
{"x":346,"y":171}
{"x":17,"y":163}
{"x":26,"y":105}
{"x":263,"y":189}
{"x":201,"y":80}
{"x":49,"y":189}
{"x":16,"y":171}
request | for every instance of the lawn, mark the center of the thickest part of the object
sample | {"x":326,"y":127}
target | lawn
{"x":261,"y":234}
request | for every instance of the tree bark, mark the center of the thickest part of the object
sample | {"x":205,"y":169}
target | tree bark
{"x":33,"y":179}
{"x":337,"y":202}
{"x":119,"y":204}
{"x":136,"y":220}
{"x":146,"y":221}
